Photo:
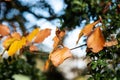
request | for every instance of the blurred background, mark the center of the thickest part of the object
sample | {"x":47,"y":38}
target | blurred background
{"x":70,"y":15}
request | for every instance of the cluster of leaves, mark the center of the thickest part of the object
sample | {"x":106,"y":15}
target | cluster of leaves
{"x":15,"y":42}
{"x":105,"y":61}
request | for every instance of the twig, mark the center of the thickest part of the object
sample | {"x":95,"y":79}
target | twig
{"x":78,"y":46}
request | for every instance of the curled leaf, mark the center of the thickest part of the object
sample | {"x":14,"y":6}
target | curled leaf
{"x":42,"y":35}
{"x":4,"y":30}
{"x":87,"y":30}
{"x":32,"y":34}
{"x":95,"y":40}
{"x":58,"y":38}
{"x":59,"y":55}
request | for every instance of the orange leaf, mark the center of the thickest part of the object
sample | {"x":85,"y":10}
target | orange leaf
{"x":47,"y":65}
{"x":58,"y":38}
{"x":95,"y":40}
{"x":16,"y":35}
{"x":59,"y":55}
{"x":42,"y":35}
{"x":111,"y":43}
{"x":4,"y":30}
{"x":33,"y":48}
{"x":87,"y":30}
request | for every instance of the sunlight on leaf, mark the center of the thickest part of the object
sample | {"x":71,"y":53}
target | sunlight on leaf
{"x":58,"y":56}
{"x":32,"y":34}
{"x":87,"y":30}
{"x":96,"y":40}
{"x":42,"y":35}
{"x":4,"y":30}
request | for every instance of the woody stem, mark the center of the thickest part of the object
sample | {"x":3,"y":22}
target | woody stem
{"x":78,"y":46}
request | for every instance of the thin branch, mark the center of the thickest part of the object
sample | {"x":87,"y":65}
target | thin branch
{"x":78,"y":46}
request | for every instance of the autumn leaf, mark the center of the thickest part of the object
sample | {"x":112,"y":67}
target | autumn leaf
{"x":32,"y":34}
{"x":14,"y":48}
{"x":106,"y":7}
{"x":87,"y":30}
{"x":16,"y":35}
{"x":95,"y":40}
{"x":23,"y":42}
{"x":16,"y":45}
{"x":33,"y":48}
{"x":8,"y":41}
{"x":58,"y":38}
{"x":59,"y":55}
{"x":47,"y":65}
{"x":4,"y":30}
{"x":42,"y":35}
{"x":111,"y":43}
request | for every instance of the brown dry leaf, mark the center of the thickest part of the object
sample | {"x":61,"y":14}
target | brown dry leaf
{"x":16,"y":35}
{"x":118,"y":8}
{"x":59,"y":55}
{"x":42,"y":35}
{"x":106,"y":7}
{"x":111,"y":43}
{"x":4,"y":30}
{"x":33,"y":48}
{"x":87,"y":30}
{"x":47,"y":65}
{"x":95,"y":40}
{"x":58,"y":38}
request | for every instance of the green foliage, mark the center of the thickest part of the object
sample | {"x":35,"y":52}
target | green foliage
{"x":19,"y":66}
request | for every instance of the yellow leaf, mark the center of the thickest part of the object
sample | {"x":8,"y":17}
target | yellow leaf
{"x":4,"y":30}
{"x":22,"y":42}
{"x":87,"y":30}
{"x":14,"y":48}
{"x":96,"y":41}
{"x":59,"y":55}
{"x":42,"y":35}
{"x":32,"y":34}
{"x":8,"y":41}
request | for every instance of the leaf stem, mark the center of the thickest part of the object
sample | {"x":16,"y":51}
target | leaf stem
{"x":78,"y":46}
